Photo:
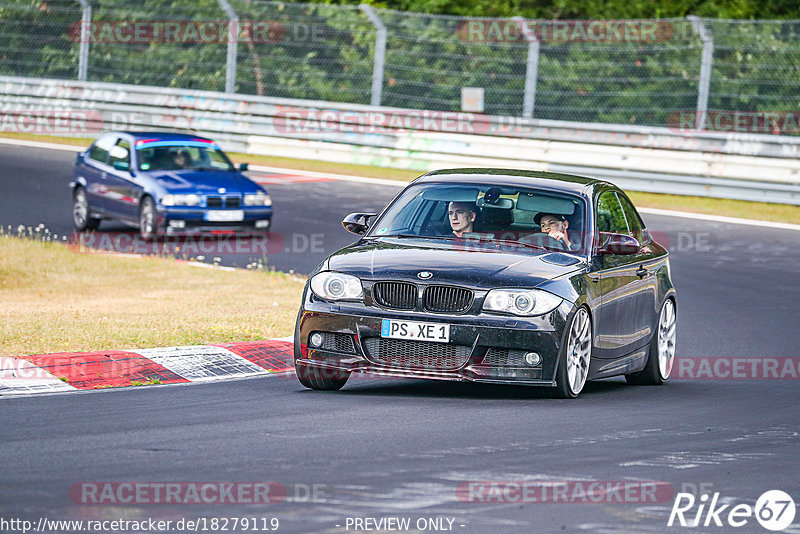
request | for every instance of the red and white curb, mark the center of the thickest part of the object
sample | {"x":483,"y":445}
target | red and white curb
{"x":75,"y":371}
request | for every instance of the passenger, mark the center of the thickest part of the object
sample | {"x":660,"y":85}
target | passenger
{"x":462,"y":215}
{"x":555,"y":225}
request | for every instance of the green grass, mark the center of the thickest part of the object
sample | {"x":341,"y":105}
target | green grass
{"x":712,"y":206}
{"x":58,"y":299}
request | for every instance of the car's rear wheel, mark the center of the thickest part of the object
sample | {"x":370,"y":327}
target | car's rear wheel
{"x":575,"y":357}
{"x":148,"y":228}
{"x":323,"y":379}
{"x":662,"y":350}
{"x":80,"y":212}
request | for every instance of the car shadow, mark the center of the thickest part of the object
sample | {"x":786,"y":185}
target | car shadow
{"x":382,"y":387}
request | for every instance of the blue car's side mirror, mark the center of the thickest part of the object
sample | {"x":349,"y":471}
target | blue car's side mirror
{"x":121,"y":165}
{"x":243,"y":167}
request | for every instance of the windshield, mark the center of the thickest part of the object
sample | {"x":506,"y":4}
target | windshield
{"x":164,"y":156}
{"x":488,"y":216}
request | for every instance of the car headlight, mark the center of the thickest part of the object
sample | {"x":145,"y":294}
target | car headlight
{"x":258,"y":199}
{"x":181,"y":200}
{"x":521,"y":301}
{"x":336,"y":286}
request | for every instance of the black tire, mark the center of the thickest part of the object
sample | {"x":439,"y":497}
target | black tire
{"x":653,"y":373}
{"x":81,"y":210}
{"x":321,"y":379}
{"x":579,"y":327}
{"x":148,"y":219}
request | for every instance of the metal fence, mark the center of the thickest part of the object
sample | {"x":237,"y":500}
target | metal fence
{"x":615,"y":72}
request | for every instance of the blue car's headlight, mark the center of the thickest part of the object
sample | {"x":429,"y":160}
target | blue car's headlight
{"x":330,"y":285}
{"x":181,"y":200}
{"x":257,"y":199}
{"x":521,"y":301}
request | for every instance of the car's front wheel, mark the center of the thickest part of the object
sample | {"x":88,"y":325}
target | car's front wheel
{"x":323,"y":379}
{"x":575,"y":357}
{"x":662,"y":350}
{"x":80,"y":212}
{"x":148,"y":228}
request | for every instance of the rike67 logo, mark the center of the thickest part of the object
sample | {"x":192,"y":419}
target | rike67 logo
{"x":774,"y":510}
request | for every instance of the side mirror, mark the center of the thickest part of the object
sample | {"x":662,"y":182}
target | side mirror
{"x":243,"y":167}
{"x":357,"y":222}
{"x":121,"y":165}
{"x":618,"y":244}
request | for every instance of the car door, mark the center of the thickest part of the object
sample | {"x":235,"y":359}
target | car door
{"x":93,"y":169}
{"x":647,"y":263}
{"x":123,"y":189}
{"x":618,"y":325}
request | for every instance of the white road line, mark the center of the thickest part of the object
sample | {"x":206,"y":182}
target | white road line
{"x":40,"y":144}
{"x":400,"y":183}
{"x":719,"y":218}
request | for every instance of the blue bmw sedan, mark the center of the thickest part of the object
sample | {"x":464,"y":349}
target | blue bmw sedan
{"x":165,"y":183}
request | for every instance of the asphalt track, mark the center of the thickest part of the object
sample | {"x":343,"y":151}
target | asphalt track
{"x":400,"y":448}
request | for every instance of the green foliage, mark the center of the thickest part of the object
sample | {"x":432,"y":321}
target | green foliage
{"x":325,"y":52}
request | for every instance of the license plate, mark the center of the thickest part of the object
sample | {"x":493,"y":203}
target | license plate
{"x":440,"y":333}
{"x":225,"y":216}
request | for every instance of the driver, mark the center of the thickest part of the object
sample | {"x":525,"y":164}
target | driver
{"x":554,"y":225}
{"x":181,"y":159}
{"x":461,"y":216}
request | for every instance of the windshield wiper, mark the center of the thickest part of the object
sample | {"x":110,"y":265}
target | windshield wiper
{"x":406,"y":236}
{"x":512,"y":242}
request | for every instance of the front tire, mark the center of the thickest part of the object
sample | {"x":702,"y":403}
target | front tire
{"x":148,"y":224}
{"x":575,"y":357}
{"x":661,"y":356}
{"x":80,"y":212}
{"x":320,"y":379}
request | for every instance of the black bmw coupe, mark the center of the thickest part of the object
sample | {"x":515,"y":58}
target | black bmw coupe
{"x":493,"y":275}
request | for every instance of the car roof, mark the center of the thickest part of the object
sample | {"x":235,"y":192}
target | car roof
{"x":567,"y":183}
{"x":166,"y":136}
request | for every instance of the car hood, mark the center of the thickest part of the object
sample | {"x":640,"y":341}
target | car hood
{"x":451,"y":262}
{"x":204,"y":182}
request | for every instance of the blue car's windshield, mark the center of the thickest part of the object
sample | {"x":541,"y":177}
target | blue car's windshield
{"x":162,"y":156}
{"x":523,"y":218}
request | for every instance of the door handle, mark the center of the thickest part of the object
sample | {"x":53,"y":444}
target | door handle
{"x":641,"y":272}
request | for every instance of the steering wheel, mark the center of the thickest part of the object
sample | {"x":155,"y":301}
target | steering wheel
{"x":543,"y":240}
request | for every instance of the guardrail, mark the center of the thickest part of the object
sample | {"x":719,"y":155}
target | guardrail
{"x":725,"y":165}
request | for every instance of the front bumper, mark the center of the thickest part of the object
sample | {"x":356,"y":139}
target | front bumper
{"x":491,"y":347}
{"x":182,"y":220}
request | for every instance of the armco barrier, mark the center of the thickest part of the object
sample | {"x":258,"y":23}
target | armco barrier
{"x":726,"y":165}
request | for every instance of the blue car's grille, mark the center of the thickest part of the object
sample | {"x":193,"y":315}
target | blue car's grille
{"x":220,"y":202}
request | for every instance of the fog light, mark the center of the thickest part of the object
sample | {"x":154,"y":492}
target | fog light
{"x":315,"y":340}
{"x":532,"y":359}
{"x":177,"y":224}
{"x":262,"y":224}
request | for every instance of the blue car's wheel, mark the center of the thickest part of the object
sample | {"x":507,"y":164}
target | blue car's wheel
{"x":148,"y":223}
{"x":80,"y":212}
